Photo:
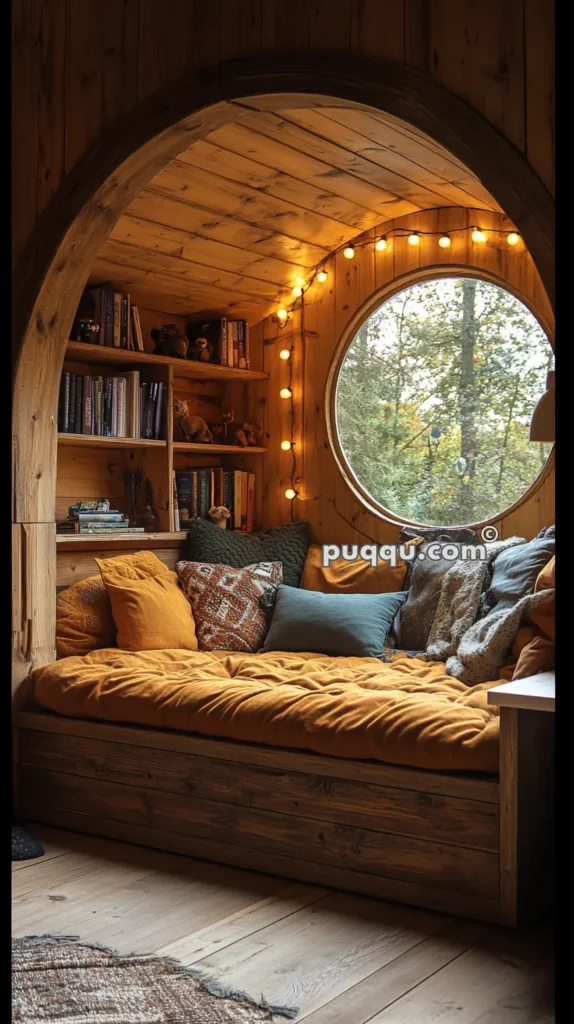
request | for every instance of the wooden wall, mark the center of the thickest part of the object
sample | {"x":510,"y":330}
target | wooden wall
{"x":79,"y":67}
{"x":336,"y":516}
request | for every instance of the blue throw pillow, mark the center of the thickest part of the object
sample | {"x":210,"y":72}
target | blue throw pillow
{"x":516,"y":570}
{"x":341,"y":625}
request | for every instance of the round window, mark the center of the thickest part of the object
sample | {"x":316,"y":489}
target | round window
{"x":434,"y":399}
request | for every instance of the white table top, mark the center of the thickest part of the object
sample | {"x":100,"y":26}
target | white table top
{"x":535,"y":693}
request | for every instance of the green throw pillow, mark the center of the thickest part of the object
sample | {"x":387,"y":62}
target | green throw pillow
{"x":341,"y":625}
{"x":286,"y":544}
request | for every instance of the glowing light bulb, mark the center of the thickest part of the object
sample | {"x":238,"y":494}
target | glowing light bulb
{"x":444,"y":242}
{"x":322,"y":276}
{"x":300,"y":281}
{"x":349,"y":252}
{"x":284,"y":353}
{"x":285,"y":393}
{"x":478,"y":235}
{"x":297,"y":291}
{"x":286,"y":446}
{"x":290,"y":494}
{"x":381,"y":245}
{"x":513,"y":238}
{"x":282,"y":314}
{"x":413,"y":239}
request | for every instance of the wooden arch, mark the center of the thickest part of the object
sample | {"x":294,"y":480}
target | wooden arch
{"x":52,"y":271}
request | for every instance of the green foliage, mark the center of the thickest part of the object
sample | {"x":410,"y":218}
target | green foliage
{"x":435,"y":398}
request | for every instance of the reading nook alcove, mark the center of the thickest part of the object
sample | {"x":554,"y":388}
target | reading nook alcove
{"x":289,"y":206}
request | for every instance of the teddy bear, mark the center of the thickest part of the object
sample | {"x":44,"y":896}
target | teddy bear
{"x":194,"y":428}
{"x":249,"y":435}
{"x":169,"y":341}
{"x":201,"y":350}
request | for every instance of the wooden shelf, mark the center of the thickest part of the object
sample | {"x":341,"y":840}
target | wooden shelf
{"x":81,"y":352}
{"x":216,"y":449}
{"x":75,"y":541}
{"x":97,"y":441}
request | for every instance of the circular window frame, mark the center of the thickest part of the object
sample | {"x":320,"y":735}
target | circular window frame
{"x":367,"y":308}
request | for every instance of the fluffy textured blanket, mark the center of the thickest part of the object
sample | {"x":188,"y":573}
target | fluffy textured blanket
{"x":460,"y":601}
{"x":484,"y":647}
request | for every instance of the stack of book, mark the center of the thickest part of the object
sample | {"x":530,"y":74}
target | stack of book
{"x":198,"y":490}
{"x":229,"y":340}
{"x":98,"y":523}
{"x":118,"y":320}
{"x":110,"y":406}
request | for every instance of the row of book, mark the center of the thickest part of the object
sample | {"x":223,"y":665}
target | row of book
{"x":229,"y":340}
{"x":118,"y":321}
{"x":110,"y":406}
{"x":97,"y":523}
{"x":198,"y":490}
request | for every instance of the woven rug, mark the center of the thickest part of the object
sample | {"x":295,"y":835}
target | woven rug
{"x":64,"y":981}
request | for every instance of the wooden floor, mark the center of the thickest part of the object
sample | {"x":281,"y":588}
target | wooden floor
{"x":340,"y":959}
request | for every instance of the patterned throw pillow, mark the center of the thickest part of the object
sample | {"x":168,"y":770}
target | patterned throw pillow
{"x":227,"y":603}
{"x":84,"y":620}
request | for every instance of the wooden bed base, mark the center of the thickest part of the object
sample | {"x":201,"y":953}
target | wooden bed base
{"x":450,"y":842}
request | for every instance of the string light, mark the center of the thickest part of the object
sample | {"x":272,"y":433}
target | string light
{"x":282,"y":316}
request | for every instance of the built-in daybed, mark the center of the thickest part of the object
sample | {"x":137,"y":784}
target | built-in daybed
{"x":471,"y":843}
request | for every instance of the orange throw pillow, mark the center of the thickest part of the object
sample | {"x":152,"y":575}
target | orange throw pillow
{"x":84,"y":620}
{"x":150,"y":611}
{"x":538,"y":655}
{"x":357,"y":577}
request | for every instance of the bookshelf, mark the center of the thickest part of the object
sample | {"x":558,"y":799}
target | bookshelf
{"x":93,"y":466}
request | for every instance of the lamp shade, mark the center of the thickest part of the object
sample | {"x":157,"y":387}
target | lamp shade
{"x":542,"y":425}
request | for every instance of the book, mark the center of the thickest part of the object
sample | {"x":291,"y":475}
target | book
{"x":250,"y":500}
{"x":129,"y":333}
{"x":117,"y":320}
{"x":71,"y":404}
{"x":244,"y":477}
{"x":176,"y":525}
{"x":234,"y":343}
{"x":99,"y":517}
{"x":78,"y":407}
{"x":158,"y":412}
{"x":195,"y":494}
{"x":204,"y":492}
{"x":228,"y":493}
{"x":247,"y":346}
{"x":236,"y":499}
{"x":184,"y":495}
{"x":139,"y":345}
{"x":108,"y":301}
{"x":241,"y":344}
{"x":131,"y":420}
{"x":117,"y":528}
{"x":123,"y":321}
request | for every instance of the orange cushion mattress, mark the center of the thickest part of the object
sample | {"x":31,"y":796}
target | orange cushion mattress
{"x":408,"y":712}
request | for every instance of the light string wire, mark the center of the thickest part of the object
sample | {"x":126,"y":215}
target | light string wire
{"x":351,"y":247}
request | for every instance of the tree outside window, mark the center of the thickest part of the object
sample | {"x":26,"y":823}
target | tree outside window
{"x":434,"y":401}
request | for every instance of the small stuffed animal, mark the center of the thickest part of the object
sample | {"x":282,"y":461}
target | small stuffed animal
{"x":219,"y":515}
{"x":201,"y":350}
{"x":250,"y":435}
{"x":194,"y":428}
{"x":169,"y":341}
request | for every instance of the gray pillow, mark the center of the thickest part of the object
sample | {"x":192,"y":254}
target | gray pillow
{"x":516,"y":570}
{"x":341,"y":625}
{"x":424,"y":581}
{"x":286,"y":544}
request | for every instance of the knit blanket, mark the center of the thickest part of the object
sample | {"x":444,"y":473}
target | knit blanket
{"x":459,"y":602}
{"x":483,"y":649}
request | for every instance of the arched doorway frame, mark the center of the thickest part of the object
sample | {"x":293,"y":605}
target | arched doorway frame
{"x":52,"y":271}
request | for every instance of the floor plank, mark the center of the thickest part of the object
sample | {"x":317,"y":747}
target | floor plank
{"x":338,"y":958}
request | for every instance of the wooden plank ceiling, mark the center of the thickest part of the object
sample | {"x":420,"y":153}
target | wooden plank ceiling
{"x":227,"y":227}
